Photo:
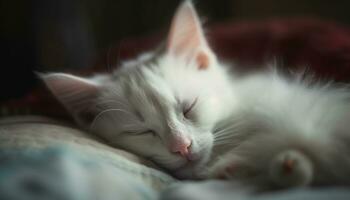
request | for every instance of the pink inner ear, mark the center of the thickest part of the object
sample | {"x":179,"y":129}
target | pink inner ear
{"x":185,"y":33}
{"x":186,"y":38}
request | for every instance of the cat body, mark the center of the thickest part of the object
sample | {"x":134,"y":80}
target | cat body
{"x":285,"y":132}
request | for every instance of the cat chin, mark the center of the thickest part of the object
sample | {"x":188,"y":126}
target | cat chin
{"x":192,"y":170}
{"x":189,"y":173}
{"x":195,"y":169}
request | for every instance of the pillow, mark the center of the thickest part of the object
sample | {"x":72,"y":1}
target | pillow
{"x":37,"y":134}
{"x":63,"y":173}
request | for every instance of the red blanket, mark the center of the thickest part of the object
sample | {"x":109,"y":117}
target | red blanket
{"x":323,"y":47}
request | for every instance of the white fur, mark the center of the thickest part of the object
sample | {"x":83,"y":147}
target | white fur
{"x":276,"y":114}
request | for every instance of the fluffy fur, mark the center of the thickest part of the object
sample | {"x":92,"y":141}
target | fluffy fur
{"x":285,"y":132}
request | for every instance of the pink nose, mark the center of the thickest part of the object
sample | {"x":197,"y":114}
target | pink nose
{"x":181,"y":145}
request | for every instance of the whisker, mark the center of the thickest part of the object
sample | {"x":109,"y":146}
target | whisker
{"x":112,"y":101}
{"x":234,"y":126}
{"x":226,"y":132}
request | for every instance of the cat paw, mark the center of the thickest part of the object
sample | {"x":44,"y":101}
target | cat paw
{"x":291,"y":168}
{"x":224,"y":172}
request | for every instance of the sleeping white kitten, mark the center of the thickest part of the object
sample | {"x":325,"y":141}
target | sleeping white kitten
{"x":162,"y":106}
{"x":285,"y":132}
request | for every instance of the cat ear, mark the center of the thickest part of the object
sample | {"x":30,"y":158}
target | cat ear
{"x":186,"y":38}
{"x":77,"y":94}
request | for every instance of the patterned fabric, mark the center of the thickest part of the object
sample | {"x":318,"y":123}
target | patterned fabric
{"x":51,"y":158}
{"x":63,"y":174}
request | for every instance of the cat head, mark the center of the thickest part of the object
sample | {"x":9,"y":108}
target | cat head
{"x":160,"y":106}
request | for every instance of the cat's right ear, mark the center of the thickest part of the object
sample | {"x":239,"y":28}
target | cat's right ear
{"x":77,"y":94}
{"x":186,"y":37}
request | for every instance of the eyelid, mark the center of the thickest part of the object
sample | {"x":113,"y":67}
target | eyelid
{"x":140,"y":132}
{"x":147,"y":132}
{"x":188,"y":109}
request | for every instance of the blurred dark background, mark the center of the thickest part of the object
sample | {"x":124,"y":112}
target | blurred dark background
{"x":53,"y":35}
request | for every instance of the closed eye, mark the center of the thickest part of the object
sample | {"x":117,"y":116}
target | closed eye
{"x":148,"y":132}
{"x":135,"y":133}
{"x":188,"y":109}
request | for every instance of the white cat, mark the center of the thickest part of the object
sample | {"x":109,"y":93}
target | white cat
{"x":162,"y":106}
{"x":269,"y":131}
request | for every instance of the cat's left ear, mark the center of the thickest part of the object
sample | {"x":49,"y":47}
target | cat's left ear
{"x":77,"y":94}
{"x":186,"y":38}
